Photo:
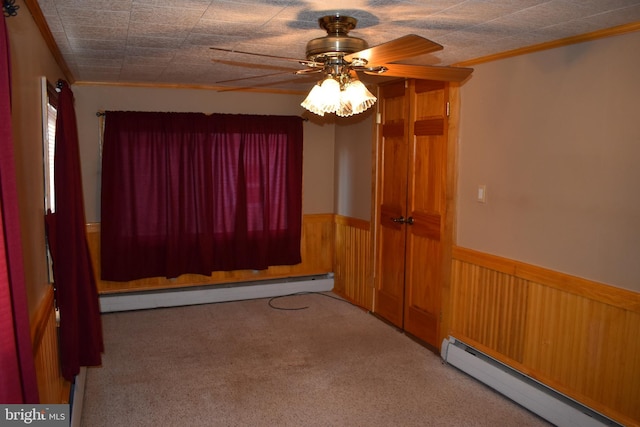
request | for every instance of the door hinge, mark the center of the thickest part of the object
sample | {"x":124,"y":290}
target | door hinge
{"x":448,"y":108}
{"x":378,"y":118}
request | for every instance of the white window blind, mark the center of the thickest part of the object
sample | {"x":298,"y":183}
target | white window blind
{"x":49,"y":115}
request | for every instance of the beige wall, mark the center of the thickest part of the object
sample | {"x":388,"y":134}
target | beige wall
{"x":318,"y":182}
{"x":354,"y":139}
{"x":30,"y":60}
{"x":555,"y":137}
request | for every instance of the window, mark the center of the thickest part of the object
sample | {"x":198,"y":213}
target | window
{"x":49,"y":115}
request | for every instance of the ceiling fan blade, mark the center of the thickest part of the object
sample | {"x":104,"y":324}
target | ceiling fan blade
{"x":395,"y":50}
{"x":256,"y":77}
{"x":286,"y":80}
{"x":425,"y":72}
{"x":298,"y":72}
{"x":254,"y":65}
{"x":264,"y":55}
{"x":310,"y":70}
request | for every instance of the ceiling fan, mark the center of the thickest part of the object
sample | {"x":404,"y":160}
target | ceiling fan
{"x":339,"y":57}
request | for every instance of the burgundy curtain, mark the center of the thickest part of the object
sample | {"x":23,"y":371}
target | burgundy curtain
{"x":76,"y":293}
{"x":18,"y":382}
{"x":195,"y":193}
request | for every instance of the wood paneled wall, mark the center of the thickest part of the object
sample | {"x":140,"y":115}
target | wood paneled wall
{"x":52,"y":387}
{"x":580,"y":337}
{"x":317,"y":248}
{"x":353,"y":262}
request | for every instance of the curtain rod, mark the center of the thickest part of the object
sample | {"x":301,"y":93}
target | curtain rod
{"x":102,"y":114}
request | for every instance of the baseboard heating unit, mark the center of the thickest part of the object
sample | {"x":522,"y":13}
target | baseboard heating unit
{"x":214,"y":293}
{"x":549,"y":404}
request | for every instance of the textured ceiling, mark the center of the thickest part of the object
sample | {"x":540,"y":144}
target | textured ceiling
{"x":167,"y":41}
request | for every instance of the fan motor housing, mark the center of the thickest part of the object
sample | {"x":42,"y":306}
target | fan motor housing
{"x":337,"y":42}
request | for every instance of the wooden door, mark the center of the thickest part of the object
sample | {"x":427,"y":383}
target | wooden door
{"x":426,"y":205}
{"x":392,"y":201}
{"x":412,"y":173}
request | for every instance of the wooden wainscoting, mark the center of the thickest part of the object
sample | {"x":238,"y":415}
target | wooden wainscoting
{"x":580,"y":337}
{"x":352,"y":266}
{"x":52,"y":387}
{"x":317,"y":249}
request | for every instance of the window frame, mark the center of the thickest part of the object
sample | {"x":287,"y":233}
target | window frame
{"x":49,"y":101}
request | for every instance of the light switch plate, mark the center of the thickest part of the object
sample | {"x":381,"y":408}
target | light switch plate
{"x":482,"y":194}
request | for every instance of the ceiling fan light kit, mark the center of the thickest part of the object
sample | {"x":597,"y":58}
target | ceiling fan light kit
{"x":339,"y":56}
{"x":342,"y":99}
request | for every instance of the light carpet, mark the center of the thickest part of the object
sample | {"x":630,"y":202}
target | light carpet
{"x":247,"y":364}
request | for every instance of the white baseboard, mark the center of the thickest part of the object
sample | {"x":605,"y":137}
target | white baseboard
{"x":549,"y":404}
{"x":214,"y":293}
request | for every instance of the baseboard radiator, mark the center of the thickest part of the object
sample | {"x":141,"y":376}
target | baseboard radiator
{"x":214,"y":293}
{"x":549,"y":404}
{"x":77,"y":397}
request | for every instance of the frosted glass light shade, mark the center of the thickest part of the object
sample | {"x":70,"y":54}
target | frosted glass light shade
{"x":313,"y":101}
{"x":357,"y":98}
{"x":330,"y":95}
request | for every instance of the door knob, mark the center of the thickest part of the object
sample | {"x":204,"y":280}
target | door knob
{"x":402,"y":220}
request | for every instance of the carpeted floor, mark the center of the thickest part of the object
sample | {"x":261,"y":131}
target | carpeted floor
{"x":248,"y":364}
